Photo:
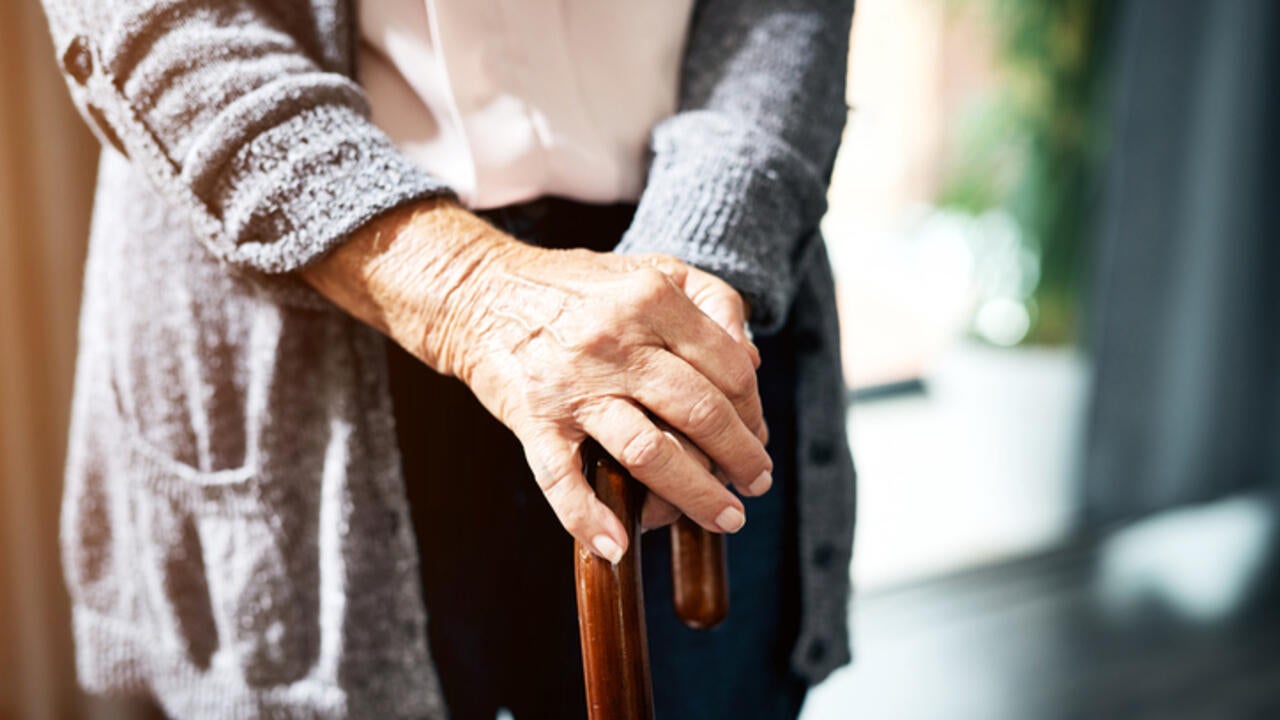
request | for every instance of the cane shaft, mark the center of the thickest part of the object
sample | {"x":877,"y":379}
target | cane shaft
{"x":615,"y":648}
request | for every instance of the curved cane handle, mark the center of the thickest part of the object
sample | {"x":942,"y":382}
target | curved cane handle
{"x":699,"y":576}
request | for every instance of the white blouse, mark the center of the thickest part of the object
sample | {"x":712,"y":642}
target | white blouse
{"x":509,"y":100}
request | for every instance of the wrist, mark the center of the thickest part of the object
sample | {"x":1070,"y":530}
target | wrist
{"x":488,"y":310}
{"x":453,"y":273}
{"x":416,"y":274}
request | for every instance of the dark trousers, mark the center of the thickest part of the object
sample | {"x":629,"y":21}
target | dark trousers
{"x":497,"y":568}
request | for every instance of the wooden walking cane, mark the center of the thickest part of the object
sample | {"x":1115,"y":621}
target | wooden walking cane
{"x":615,"y":647}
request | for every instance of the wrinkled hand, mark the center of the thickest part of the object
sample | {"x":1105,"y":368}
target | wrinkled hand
{"x":645,"y":354}
{"x":562,"y":344}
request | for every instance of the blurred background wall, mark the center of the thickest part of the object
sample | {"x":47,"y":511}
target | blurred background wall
{"x":960,"y":225}
{"x":47,"y":160}
{"x":1186,"y":339}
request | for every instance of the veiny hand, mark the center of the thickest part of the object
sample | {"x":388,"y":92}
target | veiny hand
{"x":562,"y":344}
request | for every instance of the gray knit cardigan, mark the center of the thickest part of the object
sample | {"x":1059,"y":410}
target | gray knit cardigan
{"x":235,"y":531}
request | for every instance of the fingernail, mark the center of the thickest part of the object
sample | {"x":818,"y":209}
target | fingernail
{"x":607,"y":548}
{"x":731,"y":519}
{"x":761,"y":485}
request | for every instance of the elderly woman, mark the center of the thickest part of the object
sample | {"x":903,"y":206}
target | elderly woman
{"x":562,"y":214}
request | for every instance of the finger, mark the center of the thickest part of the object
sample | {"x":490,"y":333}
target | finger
{"x":557,"y":468}
{"x":693,"y":451}
{"x":702,"y":341}
{"x":726,"y":310}
{"x":657,"y":513}
{"x":707,"y":464}
{"x":691,"y":405}
{"x":656,"y":459}
{"x":719,"y":301}
{"x":725,"y":306}
{"x":702,"y":459}
{"x":710,"y":350}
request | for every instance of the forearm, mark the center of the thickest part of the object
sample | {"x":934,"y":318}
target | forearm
{"x":410,"y":273}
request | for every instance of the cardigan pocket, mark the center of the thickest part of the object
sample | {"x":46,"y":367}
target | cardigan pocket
{"x":229,"y":567}
{"x":226,"y":537}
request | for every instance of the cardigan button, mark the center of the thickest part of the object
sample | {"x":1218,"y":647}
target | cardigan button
{"x":77,"y":60}
{"x":816,"y":652}
{"x":823,"y":556}
{"x":822,"y":452}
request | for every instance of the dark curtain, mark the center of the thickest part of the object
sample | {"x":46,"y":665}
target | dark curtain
{"x":1186,"y":299}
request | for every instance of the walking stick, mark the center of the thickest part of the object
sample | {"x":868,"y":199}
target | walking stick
{"x":615,"y":647}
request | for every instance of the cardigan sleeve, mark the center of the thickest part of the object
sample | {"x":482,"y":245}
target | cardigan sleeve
{"x":739,"y":174}
{"x":239,"y":119}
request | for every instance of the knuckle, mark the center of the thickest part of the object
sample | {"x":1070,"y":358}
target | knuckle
{"x":707,"y":416}
{"x":573,"y":516}
{"x":651,"y":287}
{"x":692,"y":450}
{"x":555,"y":483}
{"x":652,"y":277}
{"x":644,"y":451}
{"x":665,"y":263}
{"x":604,"y":337}
{"x":596,"y":336}
{"x":742,"y":380}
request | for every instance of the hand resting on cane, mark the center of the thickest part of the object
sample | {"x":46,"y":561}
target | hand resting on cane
{"x":564,"y":344}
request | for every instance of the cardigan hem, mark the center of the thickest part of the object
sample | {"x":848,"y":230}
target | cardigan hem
{"x":115,"y":658}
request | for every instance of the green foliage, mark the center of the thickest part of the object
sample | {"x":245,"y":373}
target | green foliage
{"x":1033,"y":148}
